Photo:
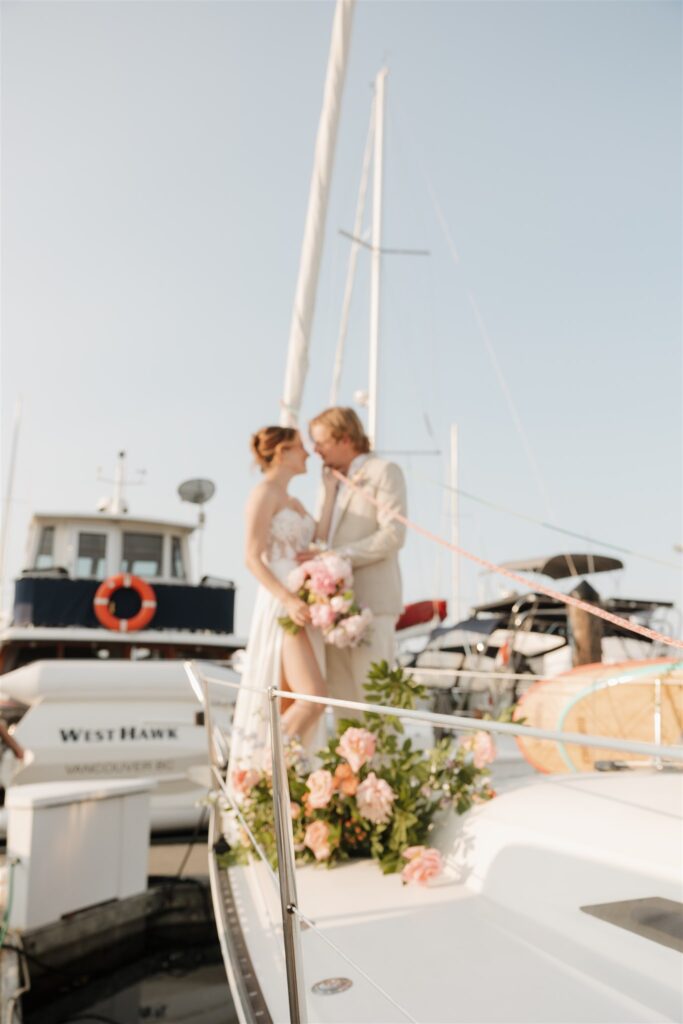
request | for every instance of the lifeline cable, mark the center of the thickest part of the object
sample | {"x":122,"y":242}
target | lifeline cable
{"x":540,"y":588}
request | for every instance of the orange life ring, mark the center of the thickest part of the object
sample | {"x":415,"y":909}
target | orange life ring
{"x":148,"y":605}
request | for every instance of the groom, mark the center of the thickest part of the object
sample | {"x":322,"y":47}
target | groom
{"x":368,"y":537}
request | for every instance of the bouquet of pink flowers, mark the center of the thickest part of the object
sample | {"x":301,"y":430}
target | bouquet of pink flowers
{"x":325,"y":583}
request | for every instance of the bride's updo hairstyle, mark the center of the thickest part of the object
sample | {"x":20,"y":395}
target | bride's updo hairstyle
{"x":267,"y":443}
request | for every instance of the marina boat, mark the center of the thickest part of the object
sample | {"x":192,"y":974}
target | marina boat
{"x":561,"y":900}
{"x":92,"y":684}
{"x":487,"y":661}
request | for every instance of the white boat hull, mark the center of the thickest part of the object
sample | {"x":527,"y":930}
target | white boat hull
{"x":503,"y":937}
{"x":125,"y":720}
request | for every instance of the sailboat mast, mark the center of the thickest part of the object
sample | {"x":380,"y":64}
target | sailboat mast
{"x":455,"y":524}
{"x":314,"y":230}
{"x":377,"y":183}
{"x":4,"y":525}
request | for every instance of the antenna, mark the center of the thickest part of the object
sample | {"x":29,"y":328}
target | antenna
{"x":198,"y":492}
{"x":117,"y":504}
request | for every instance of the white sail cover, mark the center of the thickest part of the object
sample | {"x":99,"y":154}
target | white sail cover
{"x":311,"y":252}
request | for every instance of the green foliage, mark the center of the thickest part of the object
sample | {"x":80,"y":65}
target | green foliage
{"x":289,"y":625}
{"x":423,"y":782}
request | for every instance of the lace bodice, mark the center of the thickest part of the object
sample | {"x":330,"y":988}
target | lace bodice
{"x":290,"y":531}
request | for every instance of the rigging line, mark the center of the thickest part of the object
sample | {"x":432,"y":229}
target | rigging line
{"x":498,"y":370}
{"x":544,"y":523}
{"x":481,"y":326}
{"x":539,"y":588}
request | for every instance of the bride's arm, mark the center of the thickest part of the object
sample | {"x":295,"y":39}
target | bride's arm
{"x":322,"y":527}
{"x":261,"y":508}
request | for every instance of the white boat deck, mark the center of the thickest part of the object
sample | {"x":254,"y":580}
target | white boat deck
{"x":503,"y":938}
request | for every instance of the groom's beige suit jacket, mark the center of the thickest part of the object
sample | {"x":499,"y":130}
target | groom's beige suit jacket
{"x":369,"y":537}
{"x":371,"y":540}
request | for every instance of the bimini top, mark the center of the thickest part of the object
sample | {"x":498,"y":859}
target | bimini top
{"x":559,"y":567}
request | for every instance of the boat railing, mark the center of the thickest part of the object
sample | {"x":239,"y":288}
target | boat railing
{"x":284,"y":879}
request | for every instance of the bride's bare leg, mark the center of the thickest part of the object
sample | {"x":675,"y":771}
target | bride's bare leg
{"x":302,"y":673}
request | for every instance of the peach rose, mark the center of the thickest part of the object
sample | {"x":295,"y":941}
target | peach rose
{"x":317,"y":839}
{"x":354,"y":627}
{"x":321,"y":789}
{"x":424,"y":863}
{"x":481,"y":746}
{"x":297,"y":577}
{"x":345,"y":780}
{"x":338,"y":637}
{"x":294,"y":810}
{"x":375,"y":798}
{"x":244,"y":780}
{"x":357,"y":746}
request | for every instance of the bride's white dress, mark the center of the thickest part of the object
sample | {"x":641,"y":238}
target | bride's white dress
{"x":290,"y":532}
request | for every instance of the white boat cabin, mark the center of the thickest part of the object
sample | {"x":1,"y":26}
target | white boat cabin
{"x":94,"y":547}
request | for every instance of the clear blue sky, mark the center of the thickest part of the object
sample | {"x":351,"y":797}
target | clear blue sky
{"x":156,"y":159}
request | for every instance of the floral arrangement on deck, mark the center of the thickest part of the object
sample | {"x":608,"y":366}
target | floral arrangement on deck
{"x":374,"y":794}
{"x":325,"y":583}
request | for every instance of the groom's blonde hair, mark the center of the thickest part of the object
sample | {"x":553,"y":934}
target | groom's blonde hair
{"x":343,"y":422}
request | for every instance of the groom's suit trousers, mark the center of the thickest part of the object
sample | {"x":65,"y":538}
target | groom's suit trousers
{"x":347,"y":669}
{"x":370,"y":538}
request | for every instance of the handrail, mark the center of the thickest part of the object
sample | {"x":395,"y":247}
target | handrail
{"x":286,"y":876}
{"x":296,"y":991}
{"x":667,"y":752}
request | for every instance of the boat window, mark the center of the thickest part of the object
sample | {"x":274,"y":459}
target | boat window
{"x":92,"y":549}
{"x":45,"y":557}
{"x":142,"y":554}
{"x":177,"y":567}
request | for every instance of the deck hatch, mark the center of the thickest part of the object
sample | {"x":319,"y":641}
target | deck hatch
{"x":654,"y":918}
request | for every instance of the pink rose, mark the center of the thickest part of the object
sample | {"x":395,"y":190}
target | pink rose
{"x":481,"y":745}
{"x":424,"y":863}
{"x":357,"y":746}
{"x":294,"y":810}
{"x":321,"y":787}
{"x":340,"y":604}
{"x":322,"y":616}
{"x":317,"y":839}
{"x":339,"y":568}
{"x":354,"y":627}
{"x":375,"y":798}
{"x":323,"y":583}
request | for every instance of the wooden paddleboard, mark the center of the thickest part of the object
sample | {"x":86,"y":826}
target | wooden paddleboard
{"x":604,"y":700}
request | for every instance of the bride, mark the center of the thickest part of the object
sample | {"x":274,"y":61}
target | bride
{"x":277,"y":527}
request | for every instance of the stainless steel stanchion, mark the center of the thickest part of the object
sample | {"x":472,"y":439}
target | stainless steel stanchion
{"x":286,"y":870}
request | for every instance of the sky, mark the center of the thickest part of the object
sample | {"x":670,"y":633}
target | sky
{"x":156,"y":161}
